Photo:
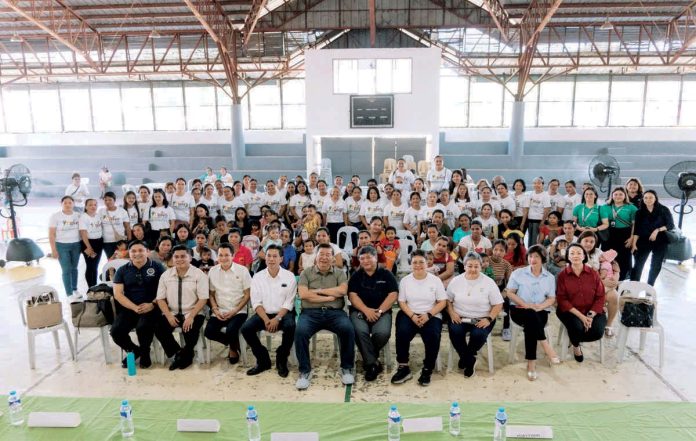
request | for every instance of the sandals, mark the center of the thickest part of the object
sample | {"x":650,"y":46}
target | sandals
{"x":532,"y":375}
{"x":609,"y":331}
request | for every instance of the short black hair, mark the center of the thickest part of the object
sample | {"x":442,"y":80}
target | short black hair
{"x":540,"y":251}
{"x":180,"y":247}
{"x":275,"y":247}
{"x":227,"y":246}
{"x":110,"y":194}
{"x":137,"y":242}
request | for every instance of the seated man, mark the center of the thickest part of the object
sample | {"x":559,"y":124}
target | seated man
{"x":372,"y":292}
{"x":229,"y":294}
{"x":183,"y":289}
{"x":135,"y":288}
{"x":322,"y":289}
{"x":272,"y":297}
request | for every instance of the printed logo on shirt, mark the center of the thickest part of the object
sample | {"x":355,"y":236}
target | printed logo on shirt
{"x":150,"y":272}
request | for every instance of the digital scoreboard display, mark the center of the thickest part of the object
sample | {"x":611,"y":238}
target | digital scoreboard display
{"x":371,"y":111}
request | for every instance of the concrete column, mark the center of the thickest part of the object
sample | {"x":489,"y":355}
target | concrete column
{"x":238,"y":149}
{"x":516,"y":139}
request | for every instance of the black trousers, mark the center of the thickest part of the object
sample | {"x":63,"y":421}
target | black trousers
{"x":109,"y":249}
{"x":576,"y":330}
{"x":213,"y":330}
{"x":144,"y":324}
{"x":164,"y":333}
{"x":430,"y":333}
{"x":533,"y":323}
{"x":333,"y":228}
{"x":658,"y":249}
{"x":92,"y":263}
{"x":616,"y":242}
{"x":254,"y":325}
{"x":533,"y":227}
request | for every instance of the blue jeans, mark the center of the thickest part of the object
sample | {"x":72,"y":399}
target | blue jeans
{"x":69,"y":258}
{"x":477,"y":338}
{"x":313,"y":320}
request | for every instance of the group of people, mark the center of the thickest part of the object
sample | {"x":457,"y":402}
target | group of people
{"x":220,"y":248}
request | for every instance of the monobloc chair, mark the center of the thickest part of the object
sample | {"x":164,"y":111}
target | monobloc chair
{"x":633,"y":290}
{"x":30,"y":294}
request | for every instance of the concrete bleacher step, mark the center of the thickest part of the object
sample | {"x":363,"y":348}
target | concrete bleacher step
{"x":287,"y":149}
{"x":117,"y":151}
{"x":72,"y":164}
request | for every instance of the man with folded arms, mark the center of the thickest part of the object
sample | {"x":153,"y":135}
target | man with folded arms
{"x":181,"y":295}
{"x":372,"y":292}
{"x":272,"y":298}
{"x":323,"y":289}
{"x":135,"y":288}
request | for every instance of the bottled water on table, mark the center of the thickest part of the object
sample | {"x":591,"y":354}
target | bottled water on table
{"x":127,"y":426}
{"x":394,"y":425}
{"x":253,"y":428}
{"x":14,"y":412}
{"x":500,"y":425}
{"x":455,"y":419}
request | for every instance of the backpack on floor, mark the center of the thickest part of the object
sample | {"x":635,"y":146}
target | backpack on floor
{"x":96,"y":310}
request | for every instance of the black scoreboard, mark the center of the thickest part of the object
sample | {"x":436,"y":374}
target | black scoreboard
{"x":368,"y":111}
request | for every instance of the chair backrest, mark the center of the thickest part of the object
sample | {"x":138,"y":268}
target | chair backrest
{"x":153,"y":185}
{"x":423,"y":168}
{"x":84,"y":181}
{"x":128,"y":187}
{"x":407,"y":247}
{"x":112,"y":264}
{"x":405,"y":234}
{"x":30,"y":293}
{"x":630,"y":288}
{"x":348,"y":244}
{"x":253,"y":243}
{"x":389,"y":165}
{"x":408,"y":158}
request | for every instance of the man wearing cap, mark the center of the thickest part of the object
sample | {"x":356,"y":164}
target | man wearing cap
{"x":372,"y":291}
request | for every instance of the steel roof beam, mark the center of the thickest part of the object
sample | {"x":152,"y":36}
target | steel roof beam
{"x":251,"y":19}
{"x":681,"y":32}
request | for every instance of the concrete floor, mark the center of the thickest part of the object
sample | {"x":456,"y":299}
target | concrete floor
{"x":638,"y":378}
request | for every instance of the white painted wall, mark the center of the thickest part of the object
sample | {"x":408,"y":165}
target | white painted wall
{"x":616,"y":134}
{"x":328,"y":114}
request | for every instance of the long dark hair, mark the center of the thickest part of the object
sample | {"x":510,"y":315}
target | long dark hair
{"x":451,"y":182}
{"x":165,"y":202}
{"x":135,"y":204}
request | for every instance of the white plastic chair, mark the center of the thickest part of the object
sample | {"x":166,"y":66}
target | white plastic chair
{"x":489,"y":351}
{"x":269,"y":343}
{"x":348,"y":231}
{"x":564,"y":341}
{"x":112,"y":264}
{"x":515,"y":331}
{"x":31,"y":293}
{"x":128,"y":187}
{"x":405,"y":234}
{"x":104,"y":337}
{"x":631,"y":289}
{"x":407,"y":247}
{"x":202,"y":349}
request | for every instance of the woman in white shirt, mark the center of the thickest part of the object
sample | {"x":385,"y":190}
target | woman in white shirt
{"x":413,"y":218}
{"x":335,"y":215}
{"x":488,"y":221}
{"x":371,"y":207}
{"x":422,"y":298}
{"x":297,"y":202}
{"x":353,"y":207}
{"x":160,"y":217}
{"x":209,"y":199}
{"x":144,"y":200}
{"x":182,"y":203}
{"x":474,"y":303}
{"x":64,"y":237}
{"x":521,"y":202}
{"x":78,"y":191}
{"x":228,"y":204}
{"x":130,"y":204}
{"x":451,"y":211}
{"x":431,"y":204}
{"x":395,"y":211}
{"x":463,"y":200}
{"x":115,"y":224}
{"x":92,"y":242}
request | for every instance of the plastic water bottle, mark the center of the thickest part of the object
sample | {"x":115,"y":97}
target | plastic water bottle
{"x":394,"y":425}
{"x":455,"y":419}
{"x":15,"y":412}
{"x":500,"y":425}
{"x":127,"y":426}
{"x":253,"y":428}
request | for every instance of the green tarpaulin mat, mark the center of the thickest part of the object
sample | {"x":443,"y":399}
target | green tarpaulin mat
{"x":156,"y":420}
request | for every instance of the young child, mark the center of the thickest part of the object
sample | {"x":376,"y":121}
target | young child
{"x":307,"y":258}
{"x":501,"y":274}
{"x":272,"y":238}
{"x":557,"y":261}
{"x":486,"y":266}
{"x":206,"y":260}
{"x":606,"y":266}
{"x":202,"y":245}
{"x":430,"y":259}
{"x":120,"y":253}
{"x":391,"y":246}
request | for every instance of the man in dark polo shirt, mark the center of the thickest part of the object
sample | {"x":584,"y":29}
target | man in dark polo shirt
{"x":323,"y":288}
{"x":372,"y":291}
{"x":135,"y":288}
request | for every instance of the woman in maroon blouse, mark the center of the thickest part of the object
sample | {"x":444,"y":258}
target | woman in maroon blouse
{"x":580,"y":297}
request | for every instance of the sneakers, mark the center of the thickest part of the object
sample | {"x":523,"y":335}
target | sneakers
{"x":347,"y":376}
{"x":507,"y":334}
{"x":304,"y":381}
{"x":402,"y":375}
{"x":470,"y":371}
{"x":424,"y":379}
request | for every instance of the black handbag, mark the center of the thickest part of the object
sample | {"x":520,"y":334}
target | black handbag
{"x":673,"y":236}
{"x":638,"y":314}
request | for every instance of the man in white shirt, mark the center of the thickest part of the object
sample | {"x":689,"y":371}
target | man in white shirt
{"x":439,"y":177}
{"x":253,"y":201}
{"x":78,"y":191}
{"x":572,"y":199}
{"x":229,"y":294}
{"x":272,"y":298}
{"x":181,"y":295}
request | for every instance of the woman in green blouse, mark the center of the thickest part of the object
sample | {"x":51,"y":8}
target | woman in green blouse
{"x":620,"y":214}
{"x":586,"y":215}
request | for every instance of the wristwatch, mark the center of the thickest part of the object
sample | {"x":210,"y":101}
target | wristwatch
{"x":490,"y":319}
{"x":380,"y":311}
{"x":430,"y":315}
{"x":279,"y":318}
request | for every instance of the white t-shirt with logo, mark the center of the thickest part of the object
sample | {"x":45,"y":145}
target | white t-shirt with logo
{"x":211,"y":203}
{"x":160,"y":217}
{"x":508,"y":203}
{"x":253,"y":202}
{"x":557,"y":201}
{"x":537,"y":203}
{"x":67,"y":226}
{"x":227,"y":208}
{"x":480,"y":247}
{"x":91,"y":224}
{"x":182,"y":206}
{"x":143,"y":207}
{"x":428,"y":211}
{"x":371,"y":209}
{"x":570,"y":203}
{"x":132,"y":215}
{"x":439,"y":180}
{"x":334,"y":210}
{"x":421,"y":295}
{"x":495,"y":205}
{"x":319,"y":201}
{"x":413,"y":217}
{"x":112,"y":223}
{"x":395,"y":215}
{"x":473,"y":298}
{"x":452,"y":213}
{"x":298,"y":202}
{"x":275,"y":201}
{"x":353,"y":209}
{"x":521,"y":202}
{"x":465,"y":206}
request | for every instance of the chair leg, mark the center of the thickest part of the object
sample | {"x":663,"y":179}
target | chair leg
{"x":513,"y":343}
{"x":32,"y":350}
{"x":601,"y":351}
{"x":243,"y":350}
{"x":314,"y":344}
{"x":388,"y":355}
{"x":450,"y":358}
{"x":642,"y":340}
{"x":662,"y":345}
{"x":621,"y":343}
{"x":489,"y":346}
{"x":56,"y":340}
{"x":73,"y":352}
{"x":105,"y":344}
{"x":563,"y":341}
